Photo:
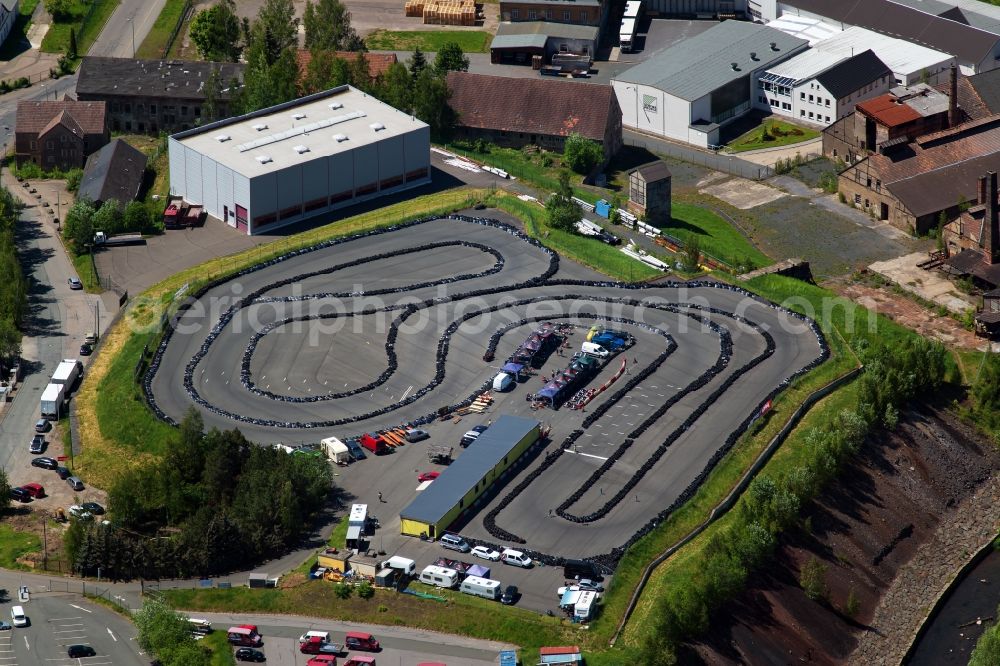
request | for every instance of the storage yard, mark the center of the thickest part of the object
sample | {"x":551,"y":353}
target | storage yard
{"x":410,"y":327}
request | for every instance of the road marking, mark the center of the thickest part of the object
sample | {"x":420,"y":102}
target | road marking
{"x":27,"y":644}
{"x":113,"y":637}
{"x":406,"y":393}
{"x":587,"y":455}
{"x":79,"y":608}
{"x":60,"y":619}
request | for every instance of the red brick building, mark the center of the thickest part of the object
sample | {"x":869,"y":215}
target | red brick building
{"x":518,"y":112}
{"x":581,"y":12}
{"x":59,"y":134}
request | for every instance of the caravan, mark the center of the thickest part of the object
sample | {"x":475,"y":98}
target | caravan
{"x":481,"y":587}
{"x":584,"y":606}
{"x":439,"y":576}
{"x":336,"y":450}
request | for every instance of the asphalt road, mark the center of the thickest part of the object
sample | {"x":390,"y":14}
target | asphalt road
{"x":302,"y":359}
{"x":126,"y":28}
{"x":401,"y":646}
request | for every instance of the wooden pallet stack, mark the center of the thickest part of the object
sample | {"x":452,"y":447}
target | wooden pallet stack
{"x":414,"y":8}
{"x":449,"y":12}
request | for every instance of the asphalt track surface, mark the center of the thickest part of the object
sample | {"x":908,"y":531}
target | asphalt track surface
{"x":303,"y":355}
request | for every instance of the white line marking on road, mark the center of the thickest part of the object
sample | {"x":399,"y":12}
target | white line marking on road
{"x":113,"y":637}
{"x":60,"y":619}
{"x":27,"y":644}
{"x":406,"y":393}
{"x":587,"y":455}
{"x":79,"y":608}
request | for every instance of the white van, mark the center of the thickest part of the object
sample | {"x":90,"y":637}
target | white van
{"x":309,"y":635}
{"x":200,"y":627}
{"x":481,"y":587}
{"x":439,"y":576}
{"x":515,"y":557}
{"x":17,"y":617}
{"x":502,"y":382}
{"x":406,"y":565}
{"x":584,"y":605}
{"x":594,"y":349}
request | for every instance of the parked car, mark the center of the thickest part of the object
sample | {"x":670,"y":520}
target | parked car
{"x":20,"y":494}
{"x":486,"y":553}
{"x":43,"y":425}
{"x":74,"y":283}
{"x":74,"y":482}
{"x":455,"y":542}
{"x":86,"y":349}
{"x":79,"y":512}
{"x":515,"y":558}
{"x":250,"y":654}
{"x":585,"y":585}
{"x":355,"y":450}
{"x":416,"y":434}
{"x":322,"y":660}
{"x":36,"y":490}
{"x":45,"y":462}
{"x":472,"y":435}
{"x":77,"y":651}
{"x":63,"y":472}
{"x":428,"y":476}
{"x":510,"y":595}
{"x":37,"y":444}
{"x":5,"y":626}
{"x":94,"y":508}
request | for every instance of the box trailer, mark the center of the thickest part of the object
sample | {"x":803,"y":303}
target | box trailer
{"x":336,"y":450}
{"x":52,"y":401}
{"x":67,"y":372}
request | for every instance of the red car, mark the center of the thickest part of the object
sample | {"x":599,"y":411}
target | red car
{"x":428,"y":476}
{"x":34,"y":489}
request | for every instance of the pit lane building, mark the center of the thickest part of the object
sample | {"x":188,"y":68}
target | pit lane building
{"x":292,"y":161}
{"x":469,"y":477}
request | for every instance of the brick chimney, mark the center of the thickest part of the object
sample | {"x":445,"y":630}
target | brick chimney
{"x":981,"y":192}
{"x":991,"y":249}
{"x":953,"y":97}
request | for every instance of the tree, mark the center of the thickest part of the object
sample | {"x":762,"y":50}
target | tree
{"x":563,"y":212}
{"x":394,"y":88}
{"x":430,"y":103}
{"x":61,"y":10}
{"x":71,"y":49}
{"x":418,"y":63}
{"x":812,"y":578}
{"x":79,"y":225}
{"x":360,"y":74}
{"x":328,"y":27}
{"x":582,"y":154}
{"x":216,"y":32}
{"x":278,"y":27}
{"x":266,"y":82}
{"x":108,"y":217}
{"x":167,"y":634}
{"x":325,"y":71}
{"x":136,"y":217}
{"x":213,"y":91}
{"x":987,"y":650}
{"x":450,"y":58}
{"x":10,"y":343}
{"x":692,"y":254}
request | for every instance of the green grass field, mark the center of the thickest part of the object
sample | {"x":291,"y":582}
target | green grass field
{"x":89,"y":19}
{"x":85,"y":271}
{"x":471,"y":41}
{"x":782,"y":134}
{"x":163,"y":27}
{"x":715,"y":236}
{"x":15,"y":544}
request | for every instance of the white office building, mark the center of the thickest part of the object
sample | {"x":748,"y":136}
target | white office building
{"x":296,"y":160}
{"x":687,"y":92}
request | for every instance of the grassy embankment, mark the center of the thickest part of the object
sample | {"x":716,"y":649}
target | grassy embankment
{"x":87,"y":19}
{"x":779,"y":133}
{"x":156,"y":41}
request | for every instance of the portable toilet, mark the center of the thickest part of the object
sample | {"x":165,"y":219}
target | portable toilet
{"x":603,"y":208}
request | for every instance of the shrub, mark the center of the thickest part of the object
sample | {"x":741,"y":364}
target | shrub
{"x":365,"y":590}
{"x":581,"y":154}
{"x":812,"y":578}
{"x":853,"y":605}
{"x":342,"y":591}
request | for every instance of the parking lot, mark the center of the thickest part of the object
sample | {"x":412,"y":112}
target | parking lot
{"x":388,"y":329}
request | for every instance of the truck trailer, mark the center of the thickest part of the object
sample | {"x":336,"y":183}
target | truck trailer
{"x":52,"y":401}
{"x":67,"y":372}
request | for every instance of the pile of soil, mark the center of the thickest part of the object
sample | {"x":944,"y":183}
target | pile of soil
{"x":863,"y":529}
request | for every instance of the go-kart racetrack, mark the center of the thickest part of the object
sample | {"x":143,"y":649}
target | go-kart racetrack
{"x":386,"y":328}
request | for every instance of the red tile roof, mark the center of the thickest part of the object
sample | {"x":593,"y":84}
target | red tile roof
{"x":34,"y":117}
{"x":378,"y":63}
{"x":536,"y":106}
{"x":887,"y":111}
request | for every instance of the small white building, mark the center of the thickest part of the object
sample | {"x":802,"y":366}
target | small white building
{"x":687,"y":92}
{"x":8,"y":16}
{"x":821,"y":87}
{"x":296,"y":160}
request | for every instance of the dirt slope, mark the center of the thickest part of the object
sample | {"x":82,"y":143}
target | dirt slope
{"x":888,"y":502}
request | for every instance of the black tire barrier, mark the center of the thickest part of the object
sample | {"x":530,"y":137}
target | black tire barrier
{"x":607,"y":561}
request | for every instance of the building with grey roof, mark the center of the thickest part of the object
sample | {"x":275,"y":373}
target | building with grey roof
{"x":456,"y":490}
{"x":113,"y":172}
{"x":688,"y":91}
{"x":296,"y":160}
{"x":517,"y":42}
{"x":970,"y":31}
